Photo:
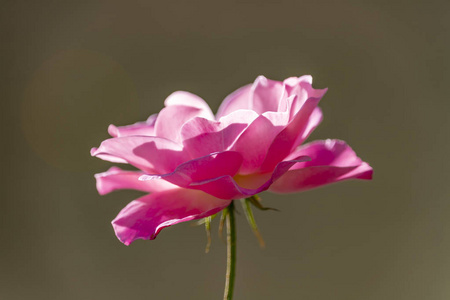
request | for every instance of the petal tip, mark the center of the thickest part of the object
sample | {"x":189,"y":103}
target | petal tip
{"x":94,"y":151}
{"x":113,"y":131}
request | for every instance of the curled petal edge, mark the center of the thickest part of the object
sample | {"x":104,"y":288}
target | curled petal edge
{"x":145,"y":217}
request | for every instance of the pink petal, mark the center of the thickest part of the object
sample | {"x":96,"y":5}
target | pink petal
{"x":255,"y":141}
{"x":112,"y":158}
{"x":239,"y":99}
{"x":187,"y":99}
{"x":172,"y":118}
{"x":150,"y":154}
{"x":301,"y":88}
{"x":139,"y":128}
{"x":285,"y":141}
{"x":226,"y":187}
{"x":266,"y":95}
{"x":202,"y":137}
{"x":314,"y":120}
{"x":331,"y":161}
{"x":201,"y":169}
{"x":145,"y":217}
{"x":117,"y":179}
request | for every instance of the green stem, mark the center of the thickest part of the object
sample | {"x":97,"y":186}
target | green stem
{"x":231,"y":253}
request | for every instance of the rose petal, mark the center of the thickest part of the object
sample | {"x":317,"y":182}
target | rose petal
{"x":255,"y":141}
{"x":172,"y":118}
{"x":226,"y":187}
{"x":331,"y":161}
{"x":203,"y":168}
{"x":145,"y":217}
{"x":202,"y":137}
{"x":301,"y":88}
{"x":117,"y":179}
{"x":239,"y":99}
{"x":139,"y":128}
{"x":188,"y":99}
{"x":150,"y":154}
{"x":284,"y":142}
{"x":266,"y":95}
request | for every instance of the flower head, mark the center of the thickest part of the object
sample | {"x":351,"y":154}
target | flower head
{"x":193,"y":164}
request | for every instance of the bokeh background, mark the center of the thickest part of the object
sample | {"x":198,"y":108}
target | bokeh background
{"x":70,"y":68}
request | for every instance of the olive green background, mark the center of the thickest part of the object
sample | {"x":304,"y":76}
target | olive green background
{"x":70,"y":68}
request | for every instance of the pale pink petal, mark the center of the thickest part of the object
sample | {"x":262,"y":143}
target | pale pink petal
{"x":314,"y":120}
{"x":172,"y":118}
{"x":202,"y":137}
{"x":112,"y":158}
{"x":331,"y":161}
{"x":201,"y":169}
{"x":139,"y":128}
{"x":145,"y":217}
{"x":118,"y":179}
{"x":239,"y":99}
{"x":284,"y":142}
{"x":188,"y":99}
{"x":266,"y":95}
{"x":301,"y":88}
{"x":226,"y":187}
{"x":326,"y":152}
{"x":150,"y":154}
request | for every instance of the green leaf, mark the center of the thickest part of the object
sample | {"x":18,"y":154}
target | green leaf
{"x":256,"y":201}
{"x":251,"y":220}
{"x":223,"y":217}
{"x":208,"y":232}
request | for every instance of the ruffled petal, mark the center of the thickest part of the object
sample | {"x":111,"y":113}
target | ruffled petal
{"x":150,"y":154}
{"x":188,"y":99}
{"x":292,"y":134}
{"x":226,"y":187}
{"x":301,"y":89}
{"x":331,"y":161}
{"x":266,"y":95}
{"x":255,"y":141}
{"x":201,"y":169}
{"x":145,"y":217}
{"x":202,"y":137}
{"x":314,"y":120}
{"x":239,"y":99}
{"x":118,"y":179}
{"x":139,"y":128}
{"x":172,"y":118}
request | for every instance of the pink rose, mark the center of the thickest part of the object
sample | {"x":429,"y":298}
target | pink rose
{"x":193,"y":164}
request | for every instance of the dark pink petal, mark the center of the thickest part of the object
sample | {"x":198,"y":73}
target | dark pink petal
{"x":118,"y":179}
{"x":187,"y":99}
{"x":285,"y":141}
{"x":201,"y":169}
{"x":226,"y":187}
{"x":140,"y":128}
{"x":202,"y":137}
{"x":150,"y":154}
{"x":145,"y":217}
{"x":331,"y":161}
{"x":239,"y":99}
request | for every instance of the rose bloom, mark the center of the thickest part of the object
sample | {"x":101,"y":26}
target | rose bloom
{"x":193,"y":164}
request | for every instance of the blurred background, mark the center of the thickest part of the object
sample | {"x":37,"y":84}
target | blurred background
{"x":71,"y":68}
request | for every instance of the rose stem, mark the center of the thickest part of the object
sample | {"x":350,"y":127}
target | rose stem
{"x":231,"y":253}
